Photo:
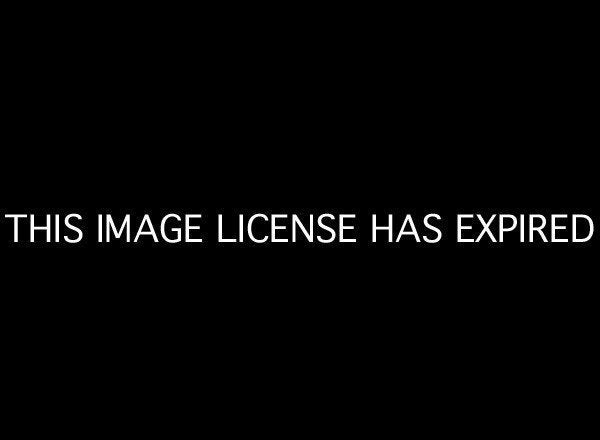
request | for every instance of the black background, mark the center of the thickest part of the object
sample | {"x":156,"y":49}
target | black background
{"x":386,"y":112}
